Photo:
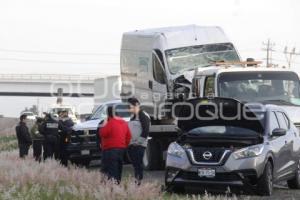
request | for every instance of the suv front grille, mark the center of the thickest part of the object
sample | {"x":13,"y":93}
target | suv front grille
{"x":202,"y":155}
{"x":84,"y":136}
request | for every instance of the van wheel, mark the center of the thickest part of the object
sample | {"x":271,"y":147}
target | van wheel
{"x":152,"y":159}
{"x":295,"y":182}
{"x":265,"y":182}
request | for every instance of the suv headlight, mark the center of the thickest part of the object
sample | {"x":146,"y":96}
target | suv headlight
{"x":176,"y":150}
{"x":248,"y":152}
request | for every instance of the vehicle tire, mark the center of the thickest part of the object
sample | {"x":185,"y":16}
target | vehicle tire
{"x":86,"y":162}
{"x":173,"y":188}
{"x":152,"y":159}
{"x":265,"y":182}
{"x":82,"y":163}
{"x":295,"y":182}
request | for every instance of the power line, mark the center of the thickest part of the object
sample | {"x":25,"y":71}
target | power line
{"x":289,"y":55}
{"x":57,"y":53}
{"x":59,"y":62}
{"x":269,"y":49}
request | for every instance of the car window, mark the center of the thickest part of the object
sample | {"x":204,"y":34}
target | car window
{"x":273,"y":121}
{"x":282,"y":121}
{"x":100,"y":113}
{"x":158,"y":72}
{"x":287,"y":120}
{"x":209,"y":89}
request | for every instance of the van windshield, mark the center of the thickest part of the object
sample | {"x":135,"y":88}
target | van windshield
{"x":272,"y":87}
{"x":189,"y":58}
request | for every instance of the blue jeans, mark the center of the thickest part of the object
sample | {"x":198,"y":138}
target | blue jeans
{"x":136,"y":154}
{"x":112,"y":163}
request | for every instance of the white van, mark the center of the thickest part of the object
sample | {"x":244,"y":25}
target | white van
{"x":152,"y":59}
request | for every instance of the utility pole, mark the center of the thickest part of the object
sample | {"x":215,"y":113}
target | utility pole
{"x":289,"y":55}
{"x":268,"y":47}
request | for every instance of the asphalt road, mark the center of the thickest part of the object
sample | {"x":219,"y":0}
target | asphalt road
{"x":280,"y":191}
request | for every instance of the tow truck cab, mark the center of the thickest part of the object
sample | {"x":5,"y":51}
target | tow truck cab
{"x":250,"y":84}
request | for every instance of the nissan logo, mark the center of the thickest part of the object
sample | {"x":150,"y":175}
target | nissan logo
{"x":207,"y":155}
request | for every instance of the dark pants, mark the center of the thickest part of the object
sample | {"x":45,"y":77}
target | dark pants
{"x":63,"y":154}
{"x":23,"y":150}
{"x":37,"y":149}
{"x":136,"y":154}
{"x":112,"y":163}
{"x":50,"y":147}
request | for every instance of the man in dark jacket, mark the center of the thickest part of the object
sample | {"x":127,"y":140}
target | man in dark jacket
{"x":115,"y":137}
{"x":50,"y":131}
{"x":139,"y":125}
{"x":37,"y":139}
{"x":23,"y":135}
{"x":65,"y":130}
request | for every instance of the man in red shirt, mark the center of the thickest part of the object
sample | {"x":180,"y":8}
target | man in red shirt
{"x":115,"y":137}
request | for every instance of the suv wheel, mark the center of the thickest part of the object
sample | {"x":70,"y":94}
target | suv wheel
{"x":82,"y":162}
{"x":295,"y":182}
{"x":265,"y":182}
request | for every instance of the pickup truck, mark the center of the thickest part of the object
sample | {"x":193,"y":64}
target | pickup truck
{"x":84,"y":145}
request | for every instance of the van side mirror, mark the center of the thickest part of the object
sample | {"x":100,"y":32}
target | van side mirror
{"x":277,"y":132}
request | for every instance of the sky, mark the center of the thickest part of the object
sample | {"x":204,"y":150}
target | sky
{"x":84,"y":36}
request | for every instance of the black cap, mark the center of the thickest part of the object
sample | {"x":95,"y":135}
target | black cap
{"x":133,"y":101}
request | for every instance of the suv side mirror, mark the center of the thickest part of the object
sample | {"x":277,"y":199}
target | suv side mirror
{"x":277,"y":132}
{"x":88,"y":117}
{"x":101,"y":122}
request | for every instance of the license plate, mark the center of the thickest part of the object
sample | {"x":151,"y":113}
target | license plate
{"x":85,"y":152}
{"x":209,"y":173}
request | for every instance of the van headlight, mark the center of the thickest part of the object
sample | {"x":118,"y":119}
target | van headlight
{"x":248,"y":152}
{"x":176,"y":150}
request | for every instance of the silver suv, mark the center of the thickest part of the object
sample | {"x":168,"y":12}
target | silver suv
{"x":245,"y":146}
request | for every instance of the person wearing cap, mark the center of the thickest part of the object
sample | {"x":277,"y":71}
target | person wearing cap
{"x":65,"y":130}
{"x":50,"y":131}
{"x":115,"y":137}
{"x":139,"y":125}
{"x":23,"y":136}
{"x":37,"y":139}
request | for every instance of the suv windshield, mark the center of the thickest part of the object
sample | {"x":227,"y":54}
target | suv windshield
{"x":274,"y":87}
{"x":188,"y":58}
{"x":121,"y":111}
{"x":222,"y":130}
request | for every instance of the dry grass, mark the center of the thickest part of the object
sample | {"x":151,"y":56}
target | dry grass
{"x":28,"y":179}
{"x":8,"y":143}
{"x":7,"y":126}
